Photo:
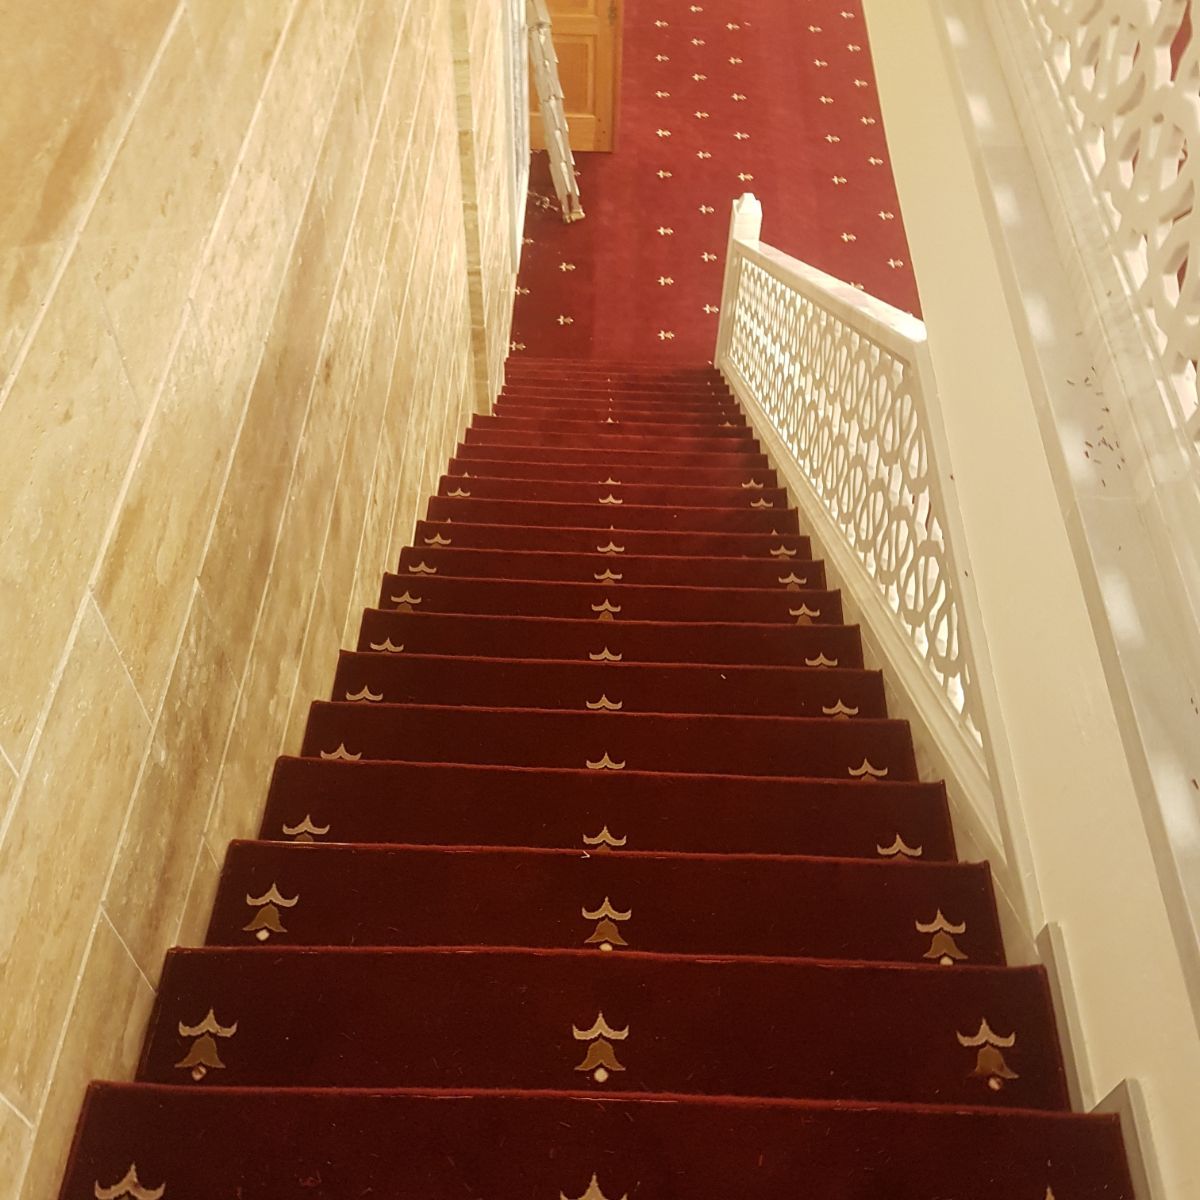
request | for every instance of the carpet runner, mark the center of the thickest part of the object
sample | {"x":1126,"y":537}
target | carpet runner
{"x":602,"y":874}
{"x":719,"y":97}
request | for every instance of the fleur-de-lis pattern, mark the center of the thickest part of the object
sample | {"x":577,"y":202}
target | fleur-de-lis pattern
{"x":697,"y":129}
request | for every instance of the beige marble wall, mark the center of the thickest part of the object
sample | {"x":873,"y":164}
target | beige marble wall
{"x":480,"y":43}
{"x":238,"y":343}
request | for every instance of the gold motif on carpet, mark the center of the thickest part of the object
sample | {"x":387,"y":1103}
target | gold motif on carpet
{"x":943,"y":948}
{"x":267,"y":920}
{"x":132,"y":1187}
{"x":601,"y":1057}
{"x":989,"y":1061}
{"x":202,"y":1055}
{"x":606,"y":935}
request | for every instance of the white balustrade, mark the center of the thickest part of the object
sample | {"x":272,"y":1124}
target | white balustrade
{"x":843,"y":381}
{"x":1127,"y":80}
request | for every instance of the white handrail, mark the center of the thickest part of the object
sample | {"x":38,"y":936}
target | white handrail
{"x":844,"y":385}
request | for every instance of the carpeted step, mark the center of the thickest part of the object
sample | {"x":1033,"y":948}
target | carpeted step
{"x":655,"y":570}
{"x":567,"y":390}
{"x":700,"y":443}
{"x":688,"y":412}
{"x":439,"y":804}
{"x":694,"y":743}
{"x":730,"y":431}
{"x":712,"y":385}
{"x":689,"y":405}
{"x":654,"y":384}
{"x":611,"y":492}
{"x":653,"y":368}
{"x":649,"y":381}
{"x":612,"y":516}
{"x":784,"y":548}
{"x":483,"y":636}
{"x":217,"y":1142}
{"x":609,"y":603}
{"x":310,"y":895}
{"x":587,"y":473}
{"x":484,"y":1018}
{"x":606,"y":460}
{"x":663,"y":407}
{"x":625,"y":687}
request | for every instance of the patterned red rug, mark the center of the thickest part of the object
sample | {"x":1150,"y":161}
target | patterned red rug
{"x":718,"y":98}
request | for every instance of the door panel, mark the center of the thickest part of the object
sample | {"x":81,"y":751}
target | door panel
{"x":587,"y":40}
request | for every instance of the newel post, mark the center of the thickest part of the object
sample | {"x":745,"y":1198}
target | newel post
{"x":745,"y":225}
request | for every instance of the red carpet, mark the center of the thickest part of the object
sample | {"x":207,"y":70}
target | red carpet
{"x":603,"y":874}
{"x":776,"y":97}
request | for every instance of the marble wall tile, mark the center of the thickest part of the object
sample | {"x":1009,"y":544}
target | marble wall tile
{"x":8,"y":788}
{"x":79,"y":413}
{"x":260,"y":720}
{"x":269,"y":360}
{"x":339,"y":169}
{"x":65,"y":825}
{"x":25,"y":276}
{"x":70,"y":72}
{"x":155,"y":210}
{"x":318,"y":659}
{"x":378,"y":30}
{"x":16,"y":1140}
{"x":145,"y":582}
{"x":103,"y":1039}
{"x":155,"y":861}
{"x":236,"y":44}
{"x":202,"y":891}
{"x":246,"y":525}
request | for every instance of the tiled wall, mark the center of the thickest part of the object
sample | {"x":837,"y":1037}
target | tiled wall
{"x":236,"y":348}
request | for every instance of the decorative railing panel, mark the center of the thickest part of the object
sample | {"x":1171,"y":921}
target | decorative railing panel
{"x":1127,"y":76}
{"x":844,"y":382}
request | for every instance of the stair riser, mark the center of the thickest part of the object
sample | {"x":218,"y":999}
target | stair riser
{"x":565,"y":400}
{"x":490,"y":683}
{"x":585,"y":473}
{"x":556,"y":492}
{"x":698,"y":412}
{"x":598,"y":568}
{"x":503,"y":806}
{"x":604,"y":518}
{"x":630,"y":384}
{"x":463,"y":534}
{"x":540,"y":598}
{"x":376,"y":896}
{"x":697,"y":744}
{"x":606,"y":459}
{"x":660,"y":447}
{"x":728,"y":430}
{"x":637,"y":642}
{"x":354,"y":1142}
{"x":499,"y":1020}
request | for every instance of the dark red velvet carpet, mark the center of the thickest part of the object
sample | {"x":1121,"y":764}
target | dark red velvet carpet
{"x":603,"y":874}
{"x":775,"y":97}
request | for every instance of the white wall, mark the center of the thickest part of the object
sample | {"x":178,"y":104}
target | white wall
{"x":1077,"y":837}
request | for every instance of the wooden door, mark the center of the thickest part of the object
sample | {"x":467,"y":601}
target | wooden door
{"x":587,"y":40}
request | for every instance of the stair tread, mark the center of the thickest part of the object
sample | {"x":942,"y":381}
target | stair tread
{"x":817,"y":1028}
{"x":374,"y":895}
{"x":549,"y":806}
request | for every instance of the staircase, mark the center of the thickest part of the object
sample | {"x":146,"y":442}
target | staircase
{"x":603,"y":875}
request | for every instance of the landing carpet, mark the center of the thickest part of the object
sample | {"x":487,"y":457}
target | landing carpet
{"x":775,"y":97}
{"x":603,"y":872}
